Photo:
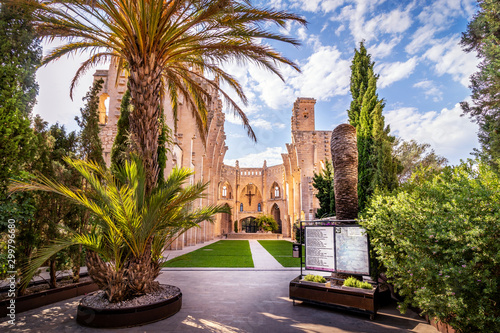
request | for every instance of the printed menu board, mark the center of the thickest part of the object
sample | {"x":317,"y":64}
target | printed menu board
{"x":319,"y":248}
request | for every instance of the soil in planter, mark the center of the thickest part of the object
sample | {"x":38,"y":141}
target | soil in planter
{"x":98,"y":299}
{"x":45,"y":286}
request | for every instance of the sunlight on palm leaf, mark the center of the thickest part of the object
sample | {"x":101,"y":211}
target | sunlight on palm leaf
{"x":167,"y":46}
{"x":132,"y":227}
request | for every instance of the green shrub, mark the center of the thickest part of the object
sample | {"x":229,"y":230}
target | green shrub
{"x":355,"y":283}
{"x":236,"y":226}
{"x":309,"y":277}
{"x":267,"y":223}
{"x":438,"y":240}
{"x":364,"y":285}
{"x":351,"y":282}
{"x":314,"y":278}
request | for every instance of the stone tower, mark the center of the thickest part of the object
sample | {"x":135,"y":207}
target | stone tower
{"x":303,"y":114}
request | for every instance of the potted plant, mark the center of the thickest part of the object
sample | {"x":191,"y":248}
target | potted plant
{"x":131,"y":229}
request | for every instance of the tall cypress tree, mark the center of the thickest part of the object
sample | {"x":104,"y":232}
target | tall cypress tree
{"x":121,"y":143}
{"x":89,"y":141}
{"x":20,"y":54}
{"x":377,"y":167}
{"x":483,"y":36}
{"x":323,"y":182}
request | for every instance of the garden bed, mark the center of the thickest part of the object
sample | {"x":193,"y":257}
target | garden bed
{"x":328,"y":294}
{"x":48,"y":296}
{"x":95,"y":311}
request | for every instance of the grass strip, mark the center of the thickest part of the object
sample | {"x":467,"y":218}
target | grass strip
{"x":224,"y":253}
{"x":281,"y":250}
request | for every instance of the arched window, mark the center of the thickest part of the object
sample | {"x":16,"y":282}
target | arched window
{"x":259,"y":207}
{"x":224,"y":191}
{"x":241,"y":207}
{"x":276,"y":192}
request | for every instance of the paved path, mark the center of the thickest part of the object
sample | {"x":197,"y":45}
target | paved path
{"x":262,"y":258}
{"x":232,"y":301}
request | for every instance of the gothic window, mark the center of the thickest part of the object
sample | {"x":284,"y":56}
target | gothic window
{"x":276,"y":192}
{"x":259,"y":207}
{"x":241,"y":207}
{"x":224,"y":191}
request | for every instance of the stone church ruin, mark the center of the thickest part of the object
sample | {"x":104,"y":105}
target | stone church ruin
{"x":283,"y":191}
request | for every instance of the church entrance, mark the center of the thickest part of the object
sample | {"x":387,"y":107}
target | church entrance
{"x":275,"y":212}
{"x":249,"y":225}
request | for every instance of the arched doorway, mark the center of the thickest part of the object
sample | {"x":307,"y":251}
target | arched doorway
{"x":226,"y":225}
{"x":275,"y":213}
{"x":249,"y":225}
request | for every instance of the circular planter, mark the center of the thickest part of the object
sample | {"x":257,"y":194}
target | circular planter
{"x":130,"y":316}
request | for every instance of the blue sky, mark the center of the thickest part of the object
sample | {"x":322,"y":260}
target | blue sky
{"x":424,"y":75}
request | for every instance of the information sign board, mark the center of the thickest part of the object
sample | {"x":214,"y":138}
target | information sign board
{"x":351,"y":250}
{"x":320,"y":248}
{"x":341,"y":249}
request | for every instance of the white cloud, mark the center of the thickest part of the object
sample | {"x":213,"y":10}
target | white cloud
{"x":451,"y":135}
{"x":430,"y":90}
{"x":392,"y":72}
{"x":272,"y":155}
{"x":383,"y":49}
{"x":264,"y":124}
{"x":421,"y":37}
{"x":324,"y":75}
{"x":451,"y":59}
{"x":368,"y":22}
{"x":437,"y":17}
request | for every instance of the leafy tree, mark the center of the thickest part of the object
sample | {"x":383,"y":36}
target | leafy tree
{"x":190,"y":41}
{"x":438,"y":240}
{"x":323,"y":182}
{"x":53,"y":144}
{"x":483,"y":36}
{"x":133,"y":227}
{"x":413,"y":156}
{"x":90,"y":146}
{"x":267,"y":223}
{"x":376,"y":166}
{"x":20,"y":54}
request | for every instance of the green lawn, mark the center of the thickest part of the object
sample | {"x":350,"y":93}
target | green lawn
{"x":281,"y":250}
{"x":224,"y":253}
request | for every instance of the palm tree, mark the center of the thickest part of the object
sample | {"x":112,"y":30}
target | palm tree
{"x":131,"y":227}
{"x":166,"y":46}
{"x":345,"y":164}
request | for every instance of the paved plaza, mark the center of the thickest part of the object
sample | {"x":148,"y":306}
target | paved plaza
{"x":232,"y":300}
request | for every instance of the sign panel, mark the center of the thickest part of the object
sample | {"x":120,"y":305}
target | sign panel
{"x":320,"y":248}
{"x":351,"y":250}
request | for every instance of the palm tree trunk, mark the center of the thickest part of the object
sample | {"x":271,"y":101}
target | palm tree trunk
{"x":345,"y":164}
{"x":145,"y":91}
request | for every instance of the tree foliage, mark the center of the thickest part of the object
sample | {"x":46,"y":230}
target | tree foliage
{"x":377,"y":167}
{"x":267,"y":223}
{"x":20,"y":54}
{"x":438,"y":240}
{"x":483,"y":37}
{"x":413,"y":156}
{"x":132,"y":227}
{"x":167,"y":48}
{"x":121,"y":144}
{"x":90,"y":146}
{"x":323,"y":183}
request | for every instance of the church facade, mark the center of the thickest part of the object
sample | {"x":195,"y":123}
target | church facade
{"x":283,"y":191}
